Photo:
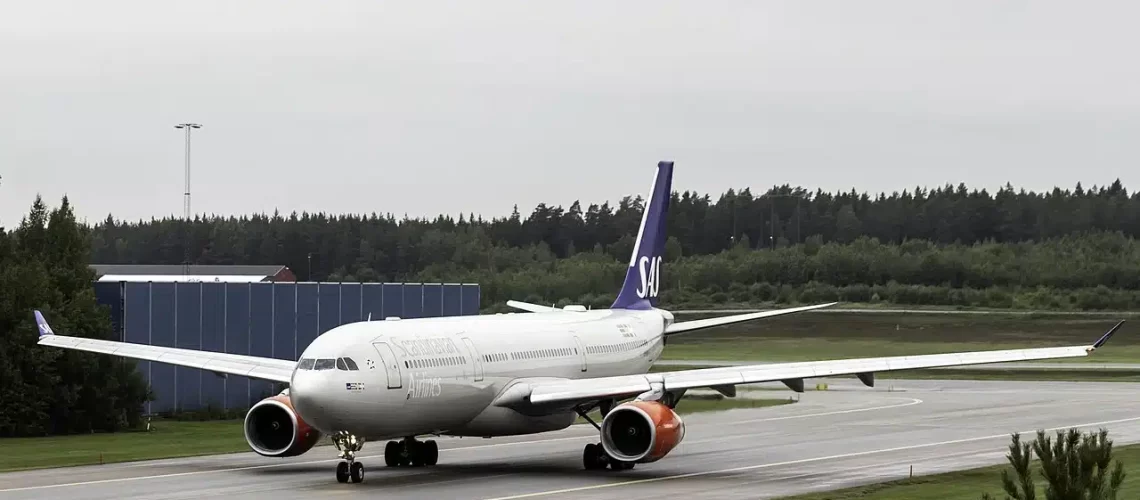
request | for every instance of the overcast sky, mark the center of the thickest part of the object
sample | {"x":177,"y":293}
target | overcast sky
{"x":424,"y":107}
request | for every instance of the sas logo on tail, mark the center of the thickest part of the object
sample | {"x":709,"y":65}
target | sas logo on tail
{"x":650,"y":269}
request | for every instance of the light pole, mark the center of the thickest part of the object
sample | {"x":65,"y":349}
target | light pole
{"x":188,"y":127}
{"x":772,"y":207}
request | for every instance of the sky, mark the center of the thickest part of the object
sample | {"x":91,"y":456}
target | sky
{"x":426,"y":107}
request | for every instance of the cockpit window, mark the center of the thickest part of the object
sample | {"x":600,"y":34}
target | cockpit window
{"x":340,"y":364}
{"x":306,"y":363}
{"x":351,"y":364}
{"x":325,"y":364}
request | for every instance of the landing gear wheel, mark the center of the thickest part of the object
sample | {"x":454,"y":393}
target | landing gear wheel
{"x":392,"y":454}
{"x":594,"y":457}
{"x":619,"y":465}
{"x":342,"y":472}
{"x":356,"y":472}
{"x":416,"y":453}
{"x":430,"y":452}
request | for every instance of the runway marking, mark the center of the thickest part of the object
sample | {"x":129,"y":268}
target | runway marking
{"x":268,"y":466}
{"x":794,"y":462}
{"x":912,"y":402}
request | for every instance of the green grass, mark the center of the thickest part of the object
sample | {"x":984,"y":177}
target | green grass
{"x":169,"y":439}
{"x":968,"y":484}
{"x":838,"y":335}
{"x":172,"y":438}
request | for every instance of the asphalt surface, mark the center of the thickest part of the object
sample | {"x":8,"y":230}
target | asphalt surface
{"x":846,"y":436}
{"x":1021,"y":365}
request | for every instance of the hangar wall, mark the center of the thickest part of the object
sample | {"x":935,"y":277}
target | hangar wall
{"x":261,"y":319}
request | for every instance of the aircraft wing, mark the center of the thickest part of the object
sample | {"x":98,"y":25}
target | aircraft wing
{"x":277,"y":370}
{"x":792,"y":374}
{"x":700,"y":324}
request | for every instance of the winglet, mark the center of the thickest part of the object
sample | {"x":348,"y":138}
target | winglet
{"x":1107,"y":335}
{"x":42,"y":324}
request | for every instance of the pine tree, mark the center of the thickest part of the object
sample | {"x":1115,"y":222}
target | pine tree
{"x":1077,"y":466}
{"x":51,"y":391}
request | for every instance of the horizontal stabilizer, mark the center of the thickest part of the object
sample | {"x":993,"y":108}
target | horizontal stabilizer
{"x":526,"y":306}
{"x":700,"y":324}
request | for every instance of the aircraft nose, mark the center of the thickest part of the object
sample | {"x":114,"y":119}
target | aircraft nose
{"x":308,"y":395}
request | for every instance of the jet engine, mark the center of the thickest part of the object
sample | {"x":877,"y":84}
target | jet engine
{"x":273,"y":428}
{"x":641,"y":431}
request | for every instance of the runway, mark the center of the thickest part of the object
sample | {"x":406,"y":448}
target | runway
{"x":1014,"y":366}
{"x":845,"y":436}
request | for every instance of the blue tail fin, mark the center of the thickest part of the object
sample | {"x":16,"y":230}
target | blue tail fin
{"x":42,"y":324}
{"x":643,"y":278}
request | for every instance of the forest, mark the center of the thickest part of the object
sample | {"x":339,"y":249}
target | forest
{"x":1065,"y":250}
{"x":1059,"y":249}
{"x":44,"y":265}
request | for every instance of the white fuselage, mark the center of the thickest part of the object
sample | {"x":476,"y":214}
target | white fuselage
{"x":440,"y":375}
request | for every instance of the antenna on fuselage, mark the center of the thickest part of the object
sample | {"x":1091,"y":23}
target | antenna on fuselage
{"x":369,"y":316}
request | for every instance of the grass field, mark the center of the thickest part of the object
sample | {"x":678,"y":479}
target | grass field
{"x":836,"y":335}
{"x":171,"y":439}
{"x":968,"y":484}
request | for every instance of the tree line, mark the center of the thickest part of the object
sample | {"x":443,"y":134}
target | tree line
{"x":948,"y":245}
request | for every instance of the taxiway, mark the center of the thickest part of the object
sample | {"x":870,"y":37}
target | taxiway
{"x":846,"y":436}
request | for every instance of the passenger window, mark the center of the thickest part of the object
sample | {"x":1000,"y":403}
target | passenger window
{"x":306,"y":363}
{"x":340,"y":364}
{"x":351,"y":364}
{"x":325,"y":364}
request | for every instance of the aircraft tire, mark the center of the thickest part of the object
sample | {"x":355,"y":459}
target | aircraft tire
{"x":357,"y":472}
{"x":430,"y":452}
{"x":416,"y":453}
{"x":592,"y":457}
{"x":342,"y":472}
{"x":392,"y":454}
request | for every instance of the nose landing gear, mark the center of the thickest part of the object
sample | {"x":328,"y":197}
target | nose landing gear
{"x":410,"y":452}
{"x":349,"y":469}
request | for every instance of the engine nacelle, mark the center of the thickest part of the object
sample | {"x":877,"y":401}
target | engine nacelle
{"x":641,"y":431}
{"x":273,"y":429}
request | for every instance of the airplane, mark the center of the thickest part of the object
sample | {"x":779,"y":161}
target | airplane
{"x":512,"y":374}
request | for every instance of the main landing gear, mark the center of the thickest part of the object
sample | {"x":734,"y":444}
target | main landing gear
{"x":410,"y":452}
{"x":594,"y":457}
{"x":349,"y":469}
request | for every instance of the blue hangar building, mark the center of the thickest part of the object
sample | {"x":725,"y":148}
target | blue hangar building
{"x":253,"y":310}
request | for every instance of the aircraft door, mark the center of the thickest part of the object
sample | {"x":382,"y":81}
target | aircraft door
{"x":391,"y":365}
{"x":475,"y":358}
{"x":581,"y":351}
